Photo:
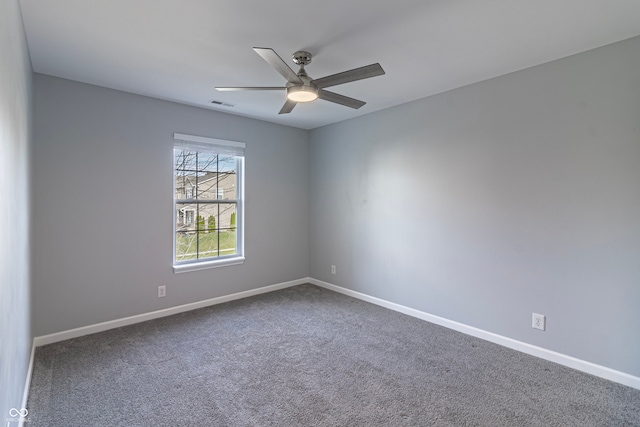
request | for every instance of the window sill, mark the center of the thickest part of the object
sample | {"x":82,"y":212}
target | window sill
{"x":204,"y":265}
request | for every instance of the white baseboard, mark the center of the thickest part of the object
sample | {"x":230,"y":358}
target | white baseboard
{"x":562,"y":359}
{"x":112,"y":324}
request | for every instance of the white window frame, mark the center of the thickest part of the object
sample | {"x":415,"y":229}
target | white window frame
{"x":222,"y":147}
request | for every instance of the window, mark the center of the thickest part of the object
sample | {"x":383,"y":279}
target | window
{"x":208,"y":202}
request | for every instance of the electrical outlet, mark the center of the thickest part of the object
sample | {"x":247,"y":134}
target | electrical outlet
{"x":538,"y":321}
{"x":162,"y":291}
{"x":333,"y":269}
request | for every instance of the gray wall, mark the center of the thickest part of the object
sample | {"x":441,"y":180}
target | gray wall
{"x":480,"y":205}
{"x":484,"y":204}
{"x":15,"y":123}
{"x":103,"y":204}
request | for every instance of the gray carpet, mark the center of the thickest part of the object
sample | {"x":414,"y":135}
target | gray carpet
{"x":306,"y":356}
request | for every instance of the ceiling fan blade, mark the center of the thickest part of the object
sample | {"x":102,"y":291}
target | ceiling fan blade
{"x":276,"y":62}
{"x":350,"y":76}
{"x":287,"y":107}
{"x":231,"y":89}
{"x":340,"y":99}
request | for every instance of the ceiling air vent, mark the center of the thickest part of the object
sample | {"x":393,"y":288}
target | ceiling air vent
{"x":221,"y":104}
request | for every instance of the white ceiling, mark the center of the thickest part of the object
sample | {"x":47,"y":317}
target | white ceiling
{"x":180,"y":50}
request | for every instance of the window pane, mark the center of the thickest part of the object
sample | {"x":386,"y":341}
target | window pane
{"x":207,"y":162}
{"x":185,"y":160}
{"x":186,"y":216}
{"x":185,"y":185}
{"x":186,"y":246}
{"x":227,"y":186}
{"x":227,"y":242}
{"x":207,"y":186}
{"x":226,"y":217}
{"x":207,"y":244}
{"x":227,"y":164}
{"x":208,"y":213}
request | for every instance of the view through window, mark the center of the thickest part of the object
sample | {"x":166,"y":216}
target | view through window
{"x":207,"y":199}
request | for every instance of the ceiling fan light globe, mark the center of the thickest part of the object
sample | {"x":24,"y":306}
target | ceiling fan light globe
{"x":302,"y":93}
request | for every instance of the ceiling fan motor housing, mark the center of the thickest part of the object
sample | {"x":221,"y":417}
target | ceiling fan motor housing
{"x":302,"y":57}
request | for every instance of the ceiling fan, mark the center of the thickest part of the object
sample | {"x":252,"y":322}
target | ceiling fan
{"x":302,"y":88}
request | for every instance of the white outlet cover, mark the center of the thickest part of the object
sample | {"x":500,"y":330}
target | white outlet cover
{"x":538,"y":321}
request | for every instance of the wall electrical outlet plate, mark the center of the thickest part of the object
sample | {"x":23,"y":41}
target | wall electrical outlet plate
{"x":538,"y":321}
{"x":162,"y":291}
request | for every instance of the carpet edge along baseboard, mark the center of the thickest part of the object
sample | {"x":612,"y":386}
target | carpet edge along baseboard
{"x":562,"y":359}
